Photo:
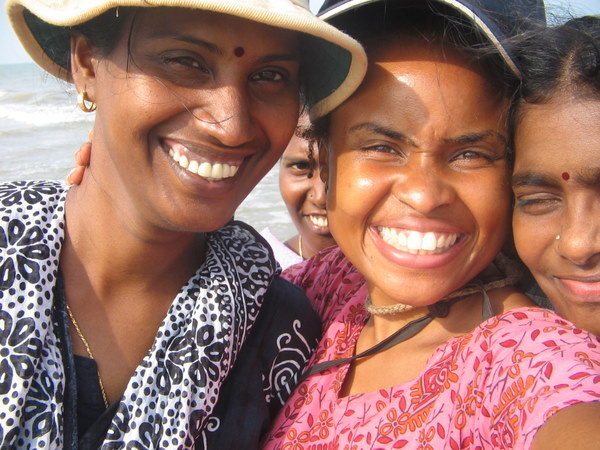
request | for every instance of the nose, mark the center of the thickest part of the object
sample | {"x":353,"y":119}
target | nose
{"x":579,"y":236}
{"x":227,"y":115}
{"x":423,"y":187}
{"x":317,"y":193}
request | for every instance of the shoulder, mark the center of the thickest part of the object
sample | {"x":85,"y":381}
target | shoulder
{"x":534,"y":328}
{"x":329,"y":280}
{"x":288,"y":299}
{"x":284,"y":255}
{"x":31,"y":193}
{"x":327,"y":265}
{"x":531,"y":363}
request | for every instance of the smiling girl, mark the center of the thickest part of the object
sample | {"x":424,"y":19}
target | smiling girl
{"x":132,"y":314}
{"x":556,"y":179}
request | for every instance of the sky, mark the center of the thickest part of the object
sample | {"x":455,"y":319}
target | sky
{"x":11,"y":51}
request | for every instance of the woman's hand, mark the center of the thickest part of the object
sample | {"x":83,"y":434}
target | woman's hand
{"x":82,"y":161}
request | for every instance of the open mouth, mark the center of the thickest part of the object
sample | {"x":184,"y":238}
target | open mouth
{"x":211,"y":171}
{"x":416,"y":242}
{"x":319,"y":221}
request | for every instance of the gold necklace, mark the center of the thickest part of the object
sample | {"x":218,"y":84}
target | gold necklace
{"x":89,"y":352}
{"x":300,"y":246}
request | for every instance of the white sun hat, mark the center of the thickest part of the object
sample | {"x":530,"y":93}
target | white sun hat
{"x":334,"y":63}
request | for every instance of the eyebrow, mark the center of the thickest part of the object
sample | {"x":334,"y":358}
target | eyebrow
{"x":388,"y":132}
{"x":587,"y":177}
{"x":472,"y":138}
{"x":531,"y":178}
{"x":469,"y":138}
{"x":191,"y":40}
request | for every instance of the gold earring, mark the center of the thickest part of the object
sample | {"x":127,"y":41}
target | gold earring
{"x":82,"y":98}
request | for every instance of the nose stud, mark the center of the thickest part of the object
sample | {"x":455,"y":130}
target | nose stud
{"x":557,"y":237}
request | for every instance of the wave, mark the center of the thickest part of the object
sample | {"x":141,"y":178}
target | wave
{"x":41,"y":115}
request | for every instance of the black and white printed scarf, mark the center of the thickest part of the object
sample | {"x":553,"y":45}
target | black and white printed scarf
{"x":177,"y":384}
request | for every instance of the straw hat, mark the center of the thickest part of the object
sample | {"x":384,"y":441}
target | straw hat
{"x":336,"y":63}
{"x":498,"y":20}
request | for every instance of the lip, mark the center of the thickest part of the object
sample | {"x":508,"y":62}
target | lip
{"x":205,"y":154}
{"x":581,"y":289}
{"x":420,"y":261}
{"x":318,"y":229}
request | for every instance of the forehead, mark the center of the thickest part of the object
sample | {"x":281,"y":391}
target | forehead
{"x":563,"y":132}
{"x":167,"y":22}
{"x":425,"y":82}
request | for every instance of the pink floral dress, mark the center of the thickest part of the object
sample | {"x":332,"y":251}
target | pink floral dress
{"x":492,"y":388}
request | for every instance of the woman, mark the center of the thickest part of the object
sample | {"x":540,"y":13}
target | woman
{"x":555,"y":181}
{"x":136,"y":270}
{"x":303,"y":193}
{"x":424,"y":345}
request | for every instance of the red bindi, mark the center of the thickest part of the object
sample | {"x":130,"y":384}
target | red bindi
{"x":565,"y":176}
{"x":239,"y":52}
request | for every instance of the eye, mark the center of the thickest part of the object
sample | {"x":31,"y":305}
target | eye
{"x":536,"y":204}
{"x":298,"y":168}
{"x":185,"y":62}
{"x":269,"y":75}
{"x":472,"y":154}
{"x":475,"y":158}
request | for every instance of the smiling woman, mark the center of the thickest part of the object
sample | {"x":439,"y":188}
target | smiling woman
{"x":556,"y":181}
{"x":135,"y":314}
{"x":427,"y":343}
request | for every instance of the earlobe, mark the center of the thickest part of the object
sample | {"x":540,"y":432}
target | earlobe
{"x":83,"y":66}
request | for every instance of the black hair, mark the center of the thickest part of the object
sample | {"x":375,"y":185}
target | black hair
{"x":557,"y":60}
{"x":561,"y":58}
{"x":104,"y":31}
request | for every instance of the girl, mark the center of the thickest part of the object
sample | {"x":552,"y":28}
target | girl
{"x":556,"y":176}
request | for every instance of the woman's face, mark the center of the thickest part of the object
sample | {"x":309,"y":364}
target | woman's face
{"x":192,"y":113}
{"x":303,"y":193}
{"x":556,"y":220}
{"x":418,"y":188}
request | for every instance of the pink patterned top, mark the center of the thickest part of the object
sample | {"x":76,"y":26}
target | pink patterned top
{"x":492,"y":388}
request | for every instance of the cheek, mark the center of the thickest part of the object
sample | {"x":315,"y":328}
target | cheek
{"x":353,"y":190}
{"x":531,"y":240}
{"x":292,"y":193}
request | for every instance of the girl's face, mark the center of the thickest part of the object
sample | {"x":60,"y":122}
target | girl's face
{"x":418,"y":187}
{"x":304,"y":195}
{"x":556,"y":183}
{"x":194,"y":108}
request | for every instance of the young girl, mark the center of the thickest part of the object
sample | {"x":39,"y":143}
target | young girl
{"x":132,"y":313}
{"x":557,"y":167}
{"x":426,"y":345}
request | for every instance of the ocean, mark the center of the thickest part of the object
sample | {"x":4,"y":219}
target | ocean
{"x":41,"y":127}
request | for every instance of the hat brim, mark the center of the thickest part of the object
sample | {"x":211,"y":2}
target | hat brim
{"x":465,"y":8}
{"x":335,"y":64}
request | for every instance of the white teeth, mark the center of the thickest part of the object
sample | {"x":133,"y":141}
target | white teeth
{"x":415,"y":239}
{"x":193,"y":166}
{"x":212,"y":172}
{"x":205,"y":170}
{"x":183,"y":162}
{"x":429,"y":241}
{"x":217,"y":171}
{"x":416,"y":242}
{"x":319,"y":221}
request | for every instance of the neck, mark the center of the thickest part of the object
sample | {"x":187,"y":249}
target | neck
{"x":113,"y":253}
